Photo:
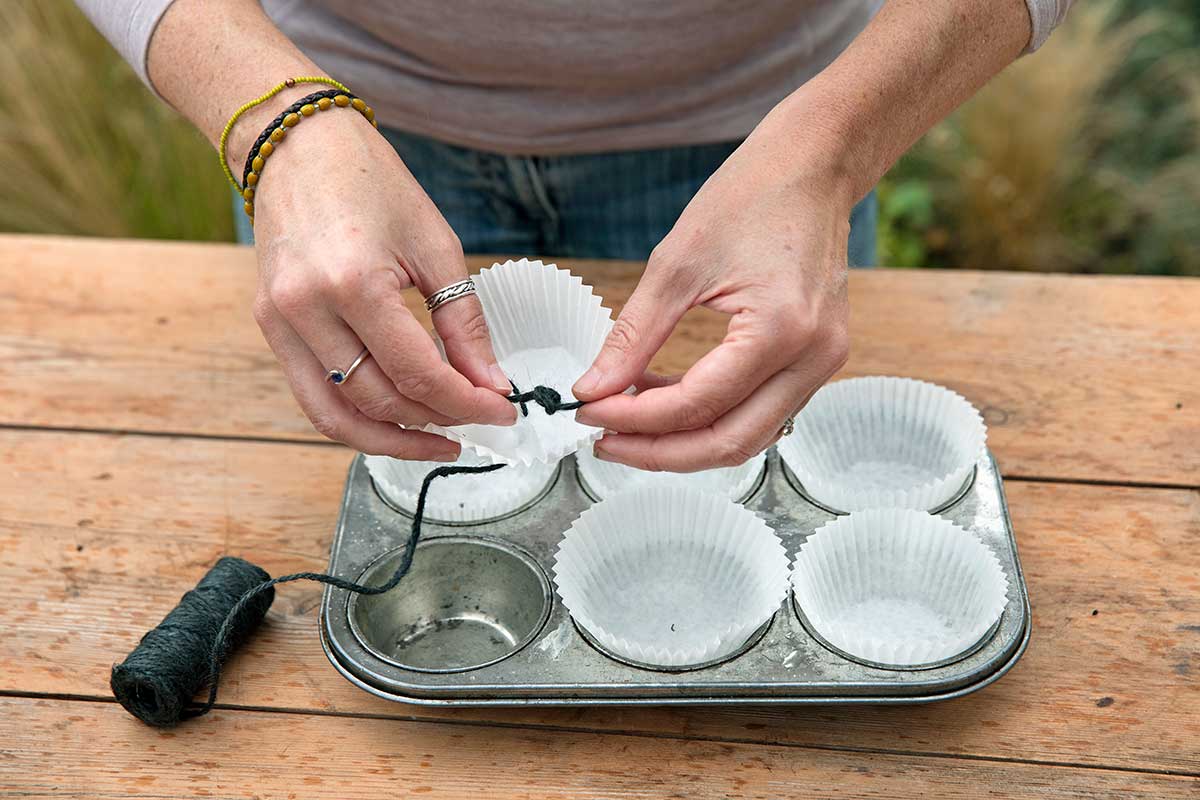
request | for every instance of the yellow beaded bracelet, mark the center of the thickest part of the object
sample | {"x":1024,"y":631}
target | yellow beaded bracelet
{"x":274,"y":134}
{"x":290,"y":82}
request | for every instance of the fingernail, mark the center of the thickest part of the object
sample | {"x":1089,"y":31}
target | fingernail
{"x":449,"y":455}
{"x":590,"y":380}
{"x":499,"y":379}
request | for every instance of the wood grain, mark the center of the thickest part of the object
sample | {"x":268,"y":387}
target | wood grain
{"x":1083,"y":378}
{"x":89,"y":750}
{"x":101,"y":534}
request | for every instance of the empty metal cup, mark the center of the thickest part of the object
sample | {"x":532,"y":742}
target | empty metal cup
{"x":466,"y":602}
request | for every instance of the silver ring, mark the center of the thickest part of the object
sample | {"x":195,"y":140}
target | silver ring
{"x":449,"y":293}
{"x":339,"y":376}
{"x":789,"y":425}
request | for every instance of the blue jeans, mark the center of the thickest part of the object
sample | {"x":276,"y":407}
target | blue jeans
{"x":603,"y":205}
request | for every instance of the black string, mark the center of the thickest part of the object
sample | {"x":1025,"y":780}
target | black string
{"x":544,"y":396}
{"x":219,"y":649}
{"x":157,"y":681}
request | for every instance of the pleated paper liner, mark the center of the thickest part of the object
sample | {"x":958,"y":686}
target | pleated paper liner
{"x":670,"y":577}
{"x":601,"y":479}
{"x":898,"y":588}
{"x":460,"y":499}
{"x":884,"y":442}
{"x":547,"y":327}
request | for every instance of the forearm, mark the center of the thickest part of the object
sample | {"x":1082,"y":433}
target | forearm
{"x":913,"y":64}
{"x":208,"y":57}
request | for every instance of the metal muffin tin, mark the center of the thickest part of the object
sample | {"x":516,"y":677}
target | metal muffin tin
{"x":531,"y":653}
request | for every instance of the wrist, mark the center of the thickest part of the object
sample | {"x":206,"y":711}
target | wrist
{"x":819,"y":149}
{"x":255,"y":120}
{"x":323,"y":143}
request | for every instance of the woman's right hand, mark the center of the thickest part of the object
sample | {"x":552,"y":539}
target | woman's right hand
{"x":341,"y":229}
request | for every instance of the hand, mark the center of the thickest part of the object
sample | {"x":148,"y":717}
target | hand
{"x":763,"y":242}
{"x":341,"y":228}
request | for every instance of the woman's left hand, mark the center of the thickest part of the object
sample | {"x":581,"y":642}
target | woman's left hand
{"x":764,"y":241}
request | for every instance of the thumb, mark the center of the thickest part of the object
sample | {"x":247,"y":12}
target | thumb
{"x":639,"y":331}
{"x":464,"y":333}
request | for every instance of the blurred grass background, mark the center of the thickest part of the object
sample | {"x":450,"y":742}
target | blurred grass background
{"x":1082,"y":158}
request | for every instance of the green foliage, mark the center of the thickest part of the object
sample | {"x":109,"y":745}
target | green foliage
{"x":906,"y":217}
{"x":1083,"y":157}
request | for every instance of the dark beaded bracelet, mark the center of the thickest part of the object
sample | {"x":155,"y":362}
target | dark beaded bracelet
{"x":273,"y":134}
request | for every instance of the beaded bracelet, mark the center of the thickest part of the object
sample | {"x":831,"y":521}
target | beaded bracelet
{"x":273,"y":134}
{"x":290,"y":82}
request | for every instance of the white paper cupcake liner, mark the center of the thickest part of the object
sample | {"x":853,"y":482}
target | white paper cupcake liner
{"x":547,"y":327}
{"x":459,"y":499}
{"x":670,"y":576}
{"x":884,"y":442}
{"x":606,"y":478}
{"x":898,"y":587}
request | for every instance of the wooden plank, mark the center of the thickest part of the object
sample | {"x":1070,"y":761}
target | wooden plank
{"x":1079,"y":377}
{"x":79,"y":749}
{"x":100,"y":535}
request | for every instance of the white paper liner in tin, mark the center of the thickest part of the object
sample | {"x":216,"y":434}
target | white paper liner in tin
{"x":884,"y":442}
{"x":547,"y":327}
{"x":670,"y":576}
{"x":606,"y":478}
{"x":898,"y":587}
{"x":459,"y":498}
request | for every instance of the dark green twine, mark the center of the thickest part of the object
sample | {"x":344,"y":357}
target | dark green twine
{"x":544,"y":396}
{"x":157,"y":681}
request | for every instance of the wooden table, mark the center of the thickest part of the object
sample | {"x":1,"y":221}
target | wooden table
{"x":145,"y":430}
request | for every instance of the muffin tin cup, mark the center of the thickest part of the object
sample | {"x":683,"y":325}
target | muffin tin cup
{"x":546,"y":327}
{"x":460,"y":500}
{"x":898,"y":588}
{"x":601,"y":479}
{"x":750,"y":642}
{"x":800,"y":490}
{"x":884,"y":442}
{"x":781,"y":661}
{"x":466,"y":602}
{"x":669,"y":576}
{"x":812,"y":631}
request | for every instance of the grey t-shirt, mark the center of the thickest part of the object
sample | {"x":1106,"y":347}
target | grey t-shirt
{"x":560,"y":76}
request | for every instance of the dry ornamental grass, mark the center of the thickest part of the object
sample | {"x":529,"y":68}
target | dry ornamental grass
{"x":85,"y":148}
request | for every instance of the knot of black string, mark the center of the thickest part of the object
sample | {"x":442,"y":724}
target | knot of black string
{"x":544,"y":396}
{"x":158,"y":679}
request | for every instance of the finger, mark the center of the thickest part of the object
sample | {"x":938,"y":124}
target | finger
{"x":460,"y":323}
{"x":800,"y":407}
{"x":408,"y":356}
{"x":652,"y":380}
{"x":642,"y":327}
{"x":368,"y":388}
{"x":464,"y":334}
{"x":733,"y":439}
{"x":335,"y":418}
{"x":370,"y":391}
{"x":750,"y":353}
